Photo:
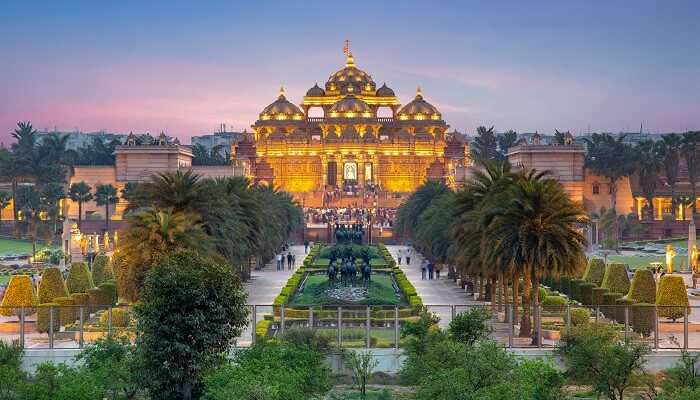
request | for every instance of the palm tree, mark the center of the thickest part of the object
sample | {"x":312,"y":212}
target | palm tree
{"x":181,"y":191}
{"x":25,"y":135}
{"x":506,"y":140}
{"x":649,"y":163}
{"x":51,"y":194}
{"x":12,"y":170}
{"x":149,"y":237}
{"x":690,"y":152}
{"x":417,"y":202}
{"x":671,"y":151}
{"x":104,"y":196}
{"x":536,"y":231}
{"x":80,"y":193}
{"x":612,"y":158}
{"x":30,"y":205}
{"x":5,"y":201}
{"x":485,"y":145}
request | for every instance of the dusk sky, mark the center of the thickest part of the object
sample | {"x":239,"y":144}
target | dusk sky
{"x":186,"y":67}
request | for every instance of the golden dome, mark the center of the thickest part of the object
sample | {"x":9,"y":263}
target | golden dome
{"x":281,"y":109}
{"x":316,"y":91}
{"x":385,"y":91}
{"x":351,"y":107}
{"x":350,"y":76}
{"x":419,"y":109}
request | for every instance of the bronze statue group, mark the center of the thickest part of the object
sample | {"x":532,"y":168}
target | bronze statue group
{"x":350,"y":272}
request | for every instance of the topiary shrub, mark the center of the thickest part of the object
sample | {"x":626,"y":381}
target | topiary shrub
{"x":66,"y":312}
{"x":565,"y":285}
{"x":121,"y":318}
{"x":110,"y":289}
{"x":595,"y":271}
{"x":553,"y":301}
{"x":616,"y":279}
{"x":101,"y":270}
{"x":43,"y":317}
{"x":81,"y":299}
{"x":51,"y":285}
{"x":672,"y":297}
{"x":580,"y":316}
{"x":541,"y":294}
{"x":98,"y":299}
{"x":586,"y":291}
{"x":575,"y":286}
{"x":642,"y":316}
{"x":597,"y":296}
{"x":643,"y":287}
{"x":79,"y":278}
{"x":622,"y":304}
{"x":19,"y":293}
{"x":609,"y":307}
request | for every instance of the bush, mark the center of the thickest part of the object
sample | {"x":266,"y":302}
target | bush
{"x":672,"y":297}
{"x":110,"y":292}
{"x":101,"y":269}
{"x":309,"y":338}
{"x":580,"y":316}
{"x":121,"y":318}
{"x":595,"y":271}
{"x":19,"y":293}
{"x":622,"y":304}
{"x":616,"y":279}
{"x":643,"y":288}
{"x":597,"y":296}
{"x":642,"y":316}
{"x":554,"y":303}
{"x":51,"y":285}
{"x":43,"y":317}
{"x":586,"y":290}
{"x":575,"y":286}
{"x":81,"y":299}
{"x":565,"y":285}
{"x":99,"y":299}
{"x":79,"y":278}
{"x":67,"y":312}
{"x":610,"y":304}
{"x":470,"y":326}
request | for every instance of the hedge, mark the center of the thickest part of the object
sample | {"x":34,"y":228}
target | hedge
{"x":554,"y":303}
{"x":622,"y":304}
{"x":541,"y":294}
{"x":99,"y":299}
{"x":616,"y":279}
{"x":586,"y":291}
{"x":51,"y":285}
{"x":575,"y":286}
{"x":565,"y":284}
{"x":642,"y":316}
{"x":43,"y":317}
{"x":19,"y":293}
{"x":597,"y":296}
{"x":121,"y":318}
{"x":79,"y":278}
{"x":643,"y":288}
{"x":595,"y":271}
{"x":610,"y":303}
{"x":81,"y":299}
{"x":672,"y":297}
{"x":262,"y":328}
{"x":110,"y":289}
{"x":67,"y":312}
{"x":102,"y":270}
{"x":579,"y":316}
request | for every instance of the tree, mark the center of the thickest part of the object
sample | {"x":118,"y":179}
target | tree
{"x":612,"y":158}
{"x":691,"y":154}
{"x":30,"y":205}
{"x":671,"y":153}
{"x":650,"y":160}
{"x":485,"y":145}
{"x":51,"y":195}
{"x":5,"y":201}
{"x":362,"y":365}
{"x":409,"y":212}
{"x":80,"y":193}
{"x":12,"y":170}
{"x":204,"y":304}
{"x":104,"y":196}
{"x":112,"y":362}
{"x":506,"y":140}
{"x":181,"y":191}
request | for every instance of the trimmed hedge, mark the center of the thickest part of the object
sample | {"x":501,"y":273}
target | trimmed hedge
{"x":262,"y":328}
{"x":19,"y":293}
{"x":51,"y":285}
{"x":616,"y":279}
{"x":643,"y":287}
{"x":102,"y":269}
{"x":586,"y":291}
{"x":580,"y":316}
{"x":66,"y":312}
{"x":81,"y":299}
{"x":110,"y":289}
{"x":554,"y":301}
{"x":100,"y":299}
{"x":610,"y":304}
{"x":597,"y":296}
{"x":565,"y":284}
{"x":575,"y":286}
{"x":79,"y":278}
{"x":642,"y":316}
{"x":672,"y":297}
{"x":43,"y":317}
{"x":121,"y":318}
{"x":623,"y":303}
{"x":595,"y":271}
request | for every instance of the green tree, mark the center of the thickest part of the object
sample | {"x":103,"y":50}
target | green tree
{"x":204,"y":303}
{"x":612,"y":158}
{"x":11,"y":375}
{"x":691,"y":154}
{"x":60,"y":382}
{"x":361,"y":365}
{"x":80,"y":193}
{"x":30,"y":204}
{"x":649,"y":163}
{"x":104,"y":196}
{"x":471,"y":326}
{"x":51,"y":195}
{"x":112,"y":362}
{"x":11,"y":169}
{"x":506,"y":140}
{"x":671,"y":152}
{"x":484,"y":147}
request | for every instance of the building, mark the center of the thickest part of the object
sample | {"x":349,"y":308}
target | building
{"x":222,"y":139}
{"x":77,"y":140}
{"x":351,"y":148}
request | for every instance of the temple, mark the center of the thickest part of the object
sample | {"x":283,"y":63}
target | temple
{"x":351,"y":150}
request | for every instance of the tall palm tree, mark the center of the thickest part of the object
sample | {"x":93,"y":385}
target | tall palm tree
{"x":51,"y":195}
{"x":611,"y":157}
{"x":650,"y":160}
{"x":80,"y":192}
{"x":148,"y":238}
{"x":671,"y":150}
{"x":30,"y":205}
{"x":104,"y":196}
{"x":12,"y":170}
{"x":536,"y":230}
{"x":691,"y":153}
{"x":485,"y":145}
{"x":417,"y":202}
{"x":25,"y":135}
{"x":5,"y":201}
{"x":181,"y":191}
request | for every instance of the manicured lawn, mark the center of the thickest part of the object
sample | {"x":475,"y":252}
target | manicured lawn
{"x":18,"y":246}
{"x":4,"y":279}
{"x":381,"y":292}
{"x":640,"y":261}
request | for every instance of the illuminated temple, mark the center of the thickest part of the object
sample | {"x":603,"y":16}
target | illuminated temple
{"x":350,"y":148}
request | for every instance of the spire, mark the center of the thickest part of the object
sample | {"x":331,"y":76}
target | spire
{"x":350,"y":60}
{"x":281,"y":96}
{"x":419,"y":93}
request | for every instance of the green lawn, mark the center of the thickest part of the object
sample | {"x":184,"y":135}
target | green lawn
{"x":18,"y":246}
{"x":381,"y":292}
{"x":4,"y":279}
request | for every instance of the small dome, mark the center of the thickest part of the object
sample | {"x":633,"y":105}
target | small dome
{"x":316,"y":91}
{"x":281,"y":109}
{"x":351,"y":107}
{"x":419,"y":109}
{"x":350,"y":75}
{"x":385,"y":91}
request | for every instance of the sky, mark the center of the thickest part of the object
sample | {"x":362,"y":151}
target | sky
{"x":184,"y":67}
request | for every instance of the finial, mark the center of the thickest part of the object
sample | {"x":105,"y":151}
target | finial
{"x":346,"y":47}
{"x":281,"y":91}
{"x":350,"y":61}
{"x":419,"y":93}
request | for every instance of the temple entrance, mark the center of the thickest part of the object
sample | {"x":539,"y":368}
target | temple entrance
{"x":332,"y":172}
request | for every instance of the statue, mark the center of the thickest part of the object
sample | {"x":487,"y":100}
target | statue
{"x":695,"y":264}
{"x":670,"y":253}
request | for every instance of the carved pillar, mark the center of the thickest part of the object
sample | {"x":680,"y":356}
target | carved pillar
{"x":339,"y":170}
{"x":324,"y":170}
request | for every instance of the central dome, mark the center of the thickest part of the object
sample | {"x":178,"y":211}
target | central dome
{"x":351,"y":107}
{"x":350,"y":77}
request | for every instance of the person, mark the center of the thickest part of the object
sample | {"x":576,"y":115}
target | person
{"x":306,"y":246}
{"x":279,"y":261}
{"x":438,"y":267}
{"x":423,"y":267}
{"x":408,"y":256}
{"x":400,"y":254}
{"x":289,"y":260}
{"x":430,"y":270}
{"x":294,"y":260}
{"x":282,"y":265}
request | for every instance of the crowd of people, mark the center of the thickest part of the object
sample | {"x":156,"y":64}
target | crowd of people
{"x":429,"y":270}
{"x":381,"y":217}
{"x":286,"y":256}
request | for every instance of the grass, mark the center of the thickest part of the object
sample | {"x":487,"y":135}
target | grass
{"x":18,"y":246}
{"x":4,"y":279}
{"x":381,"y":292}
